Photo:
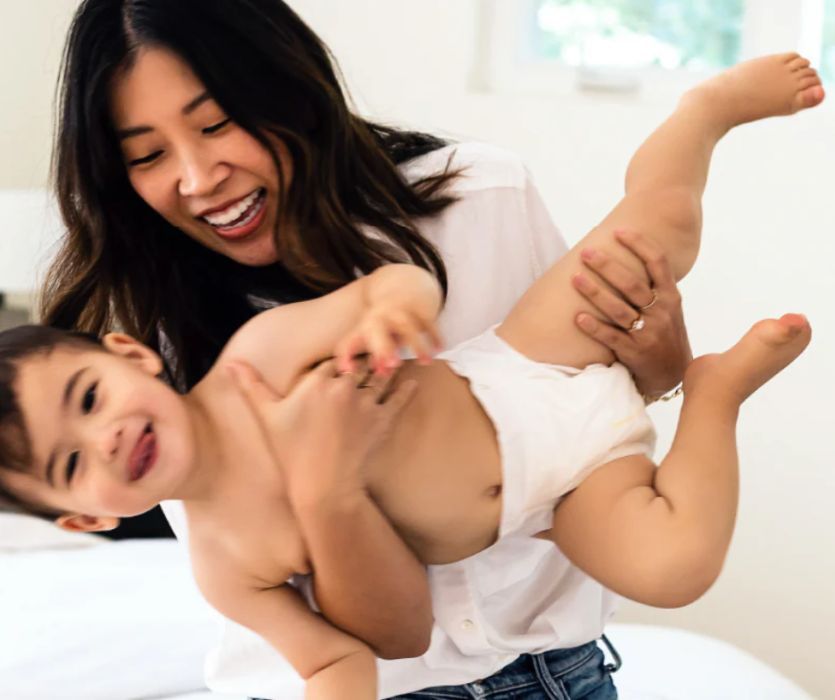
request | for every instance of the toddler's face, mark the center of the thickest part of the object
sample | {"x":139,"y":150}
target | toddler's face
{"x":108,"y":438}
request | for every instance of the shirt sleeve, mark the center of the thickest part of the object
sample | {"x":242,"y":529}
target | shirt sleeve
{"x":495,"y":240}
{"x":546,"y":240}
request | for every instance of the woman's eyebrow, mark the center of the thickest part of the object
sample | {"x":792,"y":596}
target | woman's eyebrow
{"x":196,"y":102}
{"x":188,"y":109}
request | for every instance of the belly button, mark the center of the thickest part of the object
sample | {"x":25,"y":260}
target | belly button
{"x":495,"y":491}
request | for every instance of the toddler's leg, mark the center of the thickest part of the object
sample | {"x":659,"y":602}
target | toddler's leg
{"x":660,"y":536}
{"x":664,"y":185}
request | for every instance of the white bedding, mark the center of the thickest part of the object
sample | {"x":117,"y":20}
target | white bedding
{"x":123,"y":621}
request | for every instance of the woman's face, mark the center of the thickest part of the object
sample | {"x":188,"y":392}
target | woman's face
{"x":196,"y":168}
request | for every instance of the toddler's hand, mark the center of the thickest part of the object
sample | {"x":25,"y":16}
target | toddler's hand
{"x":383,"y":330}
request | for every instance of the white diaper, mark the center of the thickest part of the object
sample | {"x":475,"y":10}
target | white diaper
{"x":554,"y":424}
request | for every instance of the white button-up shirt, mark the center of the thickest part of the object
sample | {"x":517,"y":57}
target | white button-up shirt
{"x":520,"y":595}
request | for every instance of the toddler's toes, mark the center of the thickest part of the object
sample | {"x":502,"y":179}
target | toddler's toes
{"x":810,"y":96}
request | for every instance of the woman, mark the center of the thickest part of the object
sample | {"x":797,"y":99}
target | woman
{"x":208,"y":166}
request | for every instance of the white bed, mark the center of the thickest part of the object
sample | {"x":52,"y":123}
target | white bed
{"x":83,"y":618}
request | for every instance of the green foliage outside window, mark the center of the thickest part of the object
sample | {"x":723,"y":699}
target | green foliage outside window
{"x":700,"y":34}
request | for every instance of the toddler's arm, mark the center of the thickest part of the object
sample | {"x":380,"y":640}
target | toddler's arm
{"x":333,"y":664}
{"x":285,"y":342}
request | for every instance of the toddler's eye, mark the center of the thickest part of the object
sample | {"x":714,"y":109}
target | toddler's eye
{"x":88,"y":401}
{"x":72,"y":464}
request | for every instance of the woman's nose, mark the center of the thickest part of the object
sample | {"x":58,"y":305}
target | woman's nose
{"x":201,"y":172}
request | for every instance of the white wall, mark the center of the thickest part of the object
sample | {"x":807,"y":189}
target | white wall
{"x":768,"y":248}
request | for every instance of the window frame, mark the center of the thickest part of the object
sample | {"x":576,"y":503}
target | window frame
{"x":506,"y":63}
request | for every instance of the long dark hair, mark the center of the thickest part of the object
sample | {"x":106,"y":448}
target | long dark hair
{"x":123,"y":265}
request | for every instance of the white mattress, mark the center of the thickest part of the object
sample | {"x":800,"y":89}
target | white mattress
{"x":124,"y":621}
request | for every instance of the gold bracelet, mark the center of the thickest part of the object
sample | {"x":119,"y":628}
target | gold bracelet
{"x":668,"y":396}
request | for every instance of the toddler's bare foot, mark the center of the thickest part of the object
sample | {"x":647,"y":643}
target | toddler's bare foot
{"x":763,"y":87}
{"x":766,"y":349}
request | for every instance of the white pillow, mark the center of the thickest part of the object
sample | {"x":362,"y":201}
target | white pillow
{"x":24,"y":532}
{"x":117,"y":621}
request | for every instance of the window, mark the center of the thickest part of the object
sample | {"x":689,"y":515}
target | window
{"x":666,"y":33}
{"x":658,"y":46}
{"x":827,"y":62}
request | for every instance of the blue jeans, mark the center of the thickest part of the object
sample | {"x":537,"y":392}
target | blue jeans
{"x":580,"y":673}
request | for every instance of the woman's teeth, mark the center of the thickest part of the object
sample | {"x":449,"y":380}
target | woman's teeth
{"x":235,"y":212}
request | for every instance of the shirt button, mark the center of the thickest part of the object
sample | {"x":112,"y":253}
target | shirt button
{"x":467,"y":625}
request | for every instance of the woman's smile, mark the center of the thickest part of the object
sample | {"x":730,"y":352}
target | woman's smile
{"x":239,"y":219}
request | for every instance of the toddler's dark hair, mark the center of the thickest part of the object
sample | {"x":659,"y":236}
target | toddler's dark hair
{"x":16,"y":345}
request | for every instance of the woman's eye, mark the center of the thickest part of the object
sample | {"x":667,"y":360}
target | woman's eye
{"x":216,"y":127}
{"x":72,"y":464}
{"x":88,"y":401}
{"x":150,"y":158}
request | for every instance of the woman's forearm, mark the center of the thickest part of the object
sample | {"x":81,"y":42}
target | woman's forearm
{"x":367,"y":581}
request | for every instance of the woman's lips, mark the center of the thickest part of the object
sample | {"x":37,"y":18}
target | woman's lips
{"x":247,"y":223}
{"x":143,"y":456}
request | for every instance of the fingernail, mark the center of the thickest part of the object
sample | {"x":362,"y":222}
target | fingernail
{"x":588,"y":254}
{"x":586,"y":322}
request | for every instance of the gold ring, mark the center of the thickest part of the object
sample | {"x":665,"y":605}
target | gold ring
{"x":652,"y":303}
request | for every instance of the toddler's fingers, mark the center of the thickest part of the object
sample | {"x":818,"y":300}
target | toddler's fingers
{"x":434,"y":336}
{"x":409,"y":333}
{"x":383,"y":349}
{"x":421,"y":346}
{"x":346,"y":350}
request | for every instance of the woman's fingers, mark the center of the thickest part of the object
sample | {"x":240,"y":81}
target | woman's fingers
{"x":635,"y":290}
{"x":617,"y":340}
{"x":612,"y":306}
{"x":653,"y":257}
{"x":251,"y":384}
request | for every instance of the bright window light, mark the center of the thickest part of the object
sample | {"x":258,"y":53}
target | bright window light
{"x":827,"y":63}
{"x":669,"y":34}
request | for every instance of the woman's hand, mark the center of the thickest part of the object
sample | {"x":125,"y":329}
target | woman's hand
{"x":322,"y":433}
{"x":656,"y":353}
